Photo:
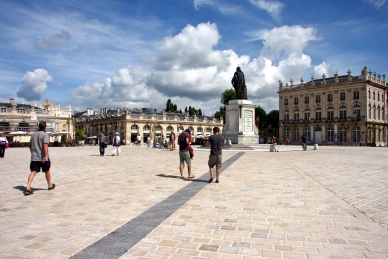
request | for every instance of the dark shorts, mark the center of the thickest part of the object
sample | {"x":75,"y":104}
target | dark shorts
{"x":35,"y":166}
{"x":215,"y":161}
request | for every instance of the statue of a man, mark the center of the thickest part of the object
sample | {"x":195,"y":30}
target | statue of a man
{"x":238,"y":82}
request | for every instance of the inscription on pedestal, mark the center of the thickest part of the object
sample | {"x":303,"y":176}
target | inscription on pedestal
{"x":248,"y":117}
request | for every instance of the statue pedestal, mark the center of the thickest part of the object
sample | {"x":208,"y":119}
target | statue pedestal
{"x":240,"y":122}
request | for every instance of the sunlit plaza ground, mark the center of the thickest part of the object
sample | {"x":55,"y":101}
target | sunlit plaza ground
{"x":325,"y":203}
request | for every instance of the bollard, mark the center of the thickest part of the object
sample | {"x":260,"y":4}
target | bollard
{"x":271,"y":148}
{"x":315,"y":146}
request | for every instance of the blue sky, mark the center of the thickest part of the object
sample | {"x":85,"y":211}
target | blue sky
{"x":140,"y":53}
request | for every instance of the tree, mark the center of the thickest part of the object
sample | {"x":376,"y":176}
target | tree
{"x":80,"y":134}
{"x":199,"y":112}
{"x":261,"y":118}
{"x":273,"y":118}
{"x":227,"y":95}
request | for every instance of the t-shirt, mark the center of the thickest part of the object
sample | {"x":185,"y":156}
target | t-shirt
{"x":101,"y":139}
{"x":37,"y":140}
{"x":183,"y":147}
{"x":138,"y":138}
{"x":172,"y":136}
{"x":216,"y":142}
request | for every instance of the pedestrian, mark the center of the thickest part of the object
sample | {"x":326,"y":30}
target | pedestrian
{"x":184,"y":154}
{"x":102,"y":143}
{"x":172,"y":141}
{"x":3,"y":145}
{"x":304,"y":142}
{"x":216,"y":142}
{"x":116,"y":145}
{"x":138,"y":139}
{"x":148,"y":141}
{"x":56,"y":142}
{"x":274,"y":144}
{"x":39,"y":157}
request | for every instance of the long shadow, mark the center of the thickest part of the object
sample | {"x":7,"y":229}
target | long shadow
{"x":23,"y":188}
{"x":178,"y":177}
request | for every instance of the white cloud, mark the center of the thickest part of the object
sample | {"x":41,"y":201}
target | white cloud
{"x":321,"y":69}
{"x":285,"y":40}
{"x":376,"y":3}
{"x":188,"y":70}
{"x":272,"y":7}
{"x":43,"y":43}
{"x":34,"y":84}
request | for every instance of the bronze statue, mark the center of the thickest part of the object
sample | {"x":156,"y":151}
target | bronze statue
{"x":238,"y":82}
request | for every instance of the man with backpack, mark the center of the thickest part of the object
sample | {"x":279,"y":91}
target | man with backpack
{"x":184,"y":154}
{"x":216,"y":142}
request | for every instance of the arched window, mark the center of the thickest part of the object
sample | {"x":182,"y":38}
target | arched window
{"x":23,"y":126}
{"x":199,"y":131}
{"x":191,"y":130}
{"x":330,"y":113}
{"x":369,"y":112}
{"x":4,"y":125}
{"x":208,"y":131}
{"x":342,"y":134}
{"x":318,"y":113}
{"x":147,"y":128}
{"x":286,"y":133}
{"x":296,"y":115}
{"x":169,"y":129}
{"x":180,"y":129}
{"x":374,"y":111}
{"x":306,"y":132}
{"x":134,"y":128}
{"x":158,"y":129}
{"x":356,"y":134}
{"x":343,"y":112}
{"x":330,"y":134}
{"x":378,"y":112}
{"x":357,"y":111}
{"x":296,"y":134}
{"x":307,"y":114}
{"x":286,"y":116}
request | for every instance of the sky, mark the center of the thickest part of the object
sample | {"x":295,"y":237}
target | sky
{"x":139,"y":53}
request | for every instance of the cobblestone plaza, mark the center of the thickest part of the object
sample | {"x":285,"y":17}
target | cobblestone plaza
{"x":325,"y":203}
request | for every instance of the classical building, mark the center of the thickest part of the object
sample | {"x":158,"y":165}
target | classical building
{"x":16,"y":119}
{"x":146,"y":122}
{"x":338,"y":110}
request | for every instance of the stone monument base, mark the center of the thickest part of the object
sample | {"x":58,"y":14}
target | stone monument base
{"x":240,"y":125}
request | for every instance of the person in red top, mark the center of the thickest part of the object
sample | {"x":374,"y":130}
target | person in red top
{"x":184,"y":154}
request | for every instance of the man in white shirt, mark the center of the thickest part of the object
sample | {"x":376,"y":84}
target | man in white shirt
{"x":138,"y":138}
{"x":116,"y":145}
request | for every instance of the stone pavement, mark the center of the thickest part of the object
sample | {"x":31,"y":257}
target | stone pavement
{"x":327,"y":203}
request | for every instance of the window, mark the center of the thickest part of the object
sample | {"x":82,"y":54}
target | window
{"x":370,"y":112}
{"x":368,"y":94}
{"x":374,"y":112}
{"x":21,"y":110}
{"x":330,"y":134}
{"x":342,"y":134}
{"x":374,"y":96}
{"x":306,"y":100}
{"x":343,"y":112}
{"x":296,"y":134}
{"x":329,"y":97}
{"x":356,"y":134}
{"x":286,"y":133}
{"x":356,"y":95}
{"x":342,"y":96}
{"x":378,"y":96}
{"x":330,"y":113}
{"x":296,"y":101}
{"x":286,"y":117}
{"x":134,"y":128}
{"x":307,"y":114}
{"x":378,"y":112}
{"x":285,"y":101}
{"x":306,"y":131}
{"x":3,"y":109}
{"x":379,"y":136}
{"x":356,"y":111}
{"x":318,"y":114}
{"x":317,"y":98}
{"x":296,"y":115}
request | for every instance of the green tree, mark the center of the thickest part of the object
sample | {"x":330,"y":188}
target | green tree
{"x":273,"y":118}
{"x":80,"y":134}
{"x":227,"y":95}
{"x":199,"y":112}
{"x":180,"y":111}
{"x":261,"y":118}
{"x":168,"y":105}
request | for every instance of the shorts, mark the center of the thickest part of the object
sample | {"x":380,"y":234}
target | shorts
{"x":215,"y":161}
{"x":36,"y":165}
{"x":184,"y":156}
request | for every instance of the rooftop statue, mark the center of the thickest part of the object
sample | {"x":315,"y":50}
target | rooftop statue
{"x":238,"y":82}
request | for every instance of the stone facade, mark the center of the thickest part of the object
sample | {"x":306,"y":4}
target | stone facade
{"x":25,"y":117}
{"x":144,"y":122}
{"x":343,"y":109}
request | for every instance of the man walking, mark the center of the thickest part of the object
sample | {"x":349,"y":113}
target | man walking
{"x":216,"y":142}
{"x":116,"y":145}
{"x":184,"y":154}
{"x":39,"y":157}
{"x":102,"y":143}
{"x":304,"y":142}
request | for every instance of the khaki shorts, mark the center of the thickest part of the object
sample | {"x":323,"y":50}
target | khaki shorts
{"x":215,"y":161}
{"x":184,"y":156}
